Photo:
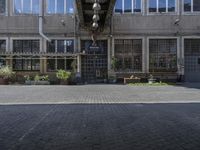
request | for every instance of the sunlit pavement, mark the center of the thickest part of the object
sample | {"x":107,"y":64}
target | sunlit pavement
{"x":99,"y":117}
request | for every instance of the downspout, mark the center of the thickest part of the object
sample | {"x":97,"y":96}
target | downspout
{"x":41,"y":23}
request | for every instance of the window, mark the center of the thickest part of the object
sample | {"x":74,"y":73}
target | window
{"x":26,"y":6}
{"x":191,"y":5}
{"x":60,"y":6}
{"x":163,"y":55}
{"x":56,"y":63}
{"x":162,"y":6}
{"x":128,"y":6}
{"x":192,"y":46}
{"x":2,"y":61}
{"x":60,"y":46}
{"x":26,"y":63}
{"x":2,"y":6}
{"x":128,"y":54}
{"x":2,"y":46}
{"x":26,"y":46}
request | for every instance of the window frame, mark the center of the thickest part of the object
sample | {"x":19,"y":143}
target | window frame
{"x":6,"y":9}
{"x":6,"y":39}
{"x":24,"y":14}
{"x":55,"y":9}
{"x":167,"y":8}
{"x":192,"y":9}
{"x":65,"y":48}
{"x":132,"y":8}
{"x":163,"y":38}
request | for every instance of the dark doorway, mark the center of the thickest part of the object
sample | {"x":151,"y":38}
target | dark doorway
{"x":95,"y":61}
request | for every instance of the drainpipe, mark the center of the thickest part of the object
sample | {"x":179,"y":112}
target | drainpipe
{"x":41,"y":23}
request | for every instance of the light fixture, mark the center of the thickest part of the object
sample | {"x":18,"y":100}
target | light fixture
{"x":95,"y":17}
{"x":95,"y":25}
{"x":96,"y":6}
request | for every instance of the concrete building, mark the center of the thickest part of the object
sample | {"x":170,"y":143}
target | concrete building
{"x":159,"y":37}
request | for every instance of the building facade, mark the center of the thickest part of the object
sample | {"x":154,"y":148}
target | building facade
{"x":159,"y":37}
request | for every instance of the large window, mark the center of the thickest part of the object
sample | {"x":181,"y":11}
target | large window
{"x":26,"y":46}
{"x":128,"y":6}
{"x":26,"y":63}
{"x":26,"y":6}
{"x":2,"y":61}
{"x":192,"y":5}
{"x":192,"y":46}
{"x":56,"y":63}
{"x":2,"y":6}
{"x":60,"y":6}
{"x":60,"y":46}
{"x":163,"y":55}
{"x":162,"y":6}
{"x":2,"y":46}
{"x":128,"y":55}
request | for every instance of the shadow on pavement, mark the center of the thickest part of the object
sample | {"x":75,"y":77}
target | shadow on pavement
{"x":100,"y":127}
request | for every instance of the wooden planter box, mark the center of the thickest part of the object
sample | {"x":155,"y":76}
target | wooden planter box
{"x":3,"y":81}
{"x":30,"y":82}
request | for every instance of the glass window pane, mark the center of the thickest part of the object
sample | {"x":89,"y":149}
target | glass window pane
{"x":69,"y":64}
{"x":187,"y":5}
{"x":27,"y":6}
{"x":60,"y":46}
{"x":127,"y":5}
{"x":2,"y":61}
{"x":171,"y":5}
{"x":2,"y":6}
{"x":35,"y":63}
{"x":2,"y":46}
{"x":27,"y":46}
{"x":51,"y":64}
{"x":70,"y":6}
{"x":60,"y":63}
{"x":35,"y":46}
{"x":35,"y":6}
{"x":17,"y":46}
{"x":51,"y":6}
{"x":118,"y":6}
{"x":17,"y":6}
{"x":152,"y":5}
{"x":69,"y":46}
{"x":27,"y":64}
{"x":137,"y":5}
{"x":196,"y":5}
{"x":60,"y":6}
{"x":17,"y":63}
{"x":51,"y":47}
{"x":162,"y":5}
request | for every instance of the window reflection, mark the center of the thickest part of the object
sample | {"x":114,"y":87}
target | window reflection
{"x":2,"y":6}
{"x":118,"y":6}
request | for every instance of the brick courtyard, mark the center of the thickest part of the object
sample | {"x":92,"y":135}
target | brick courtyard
{"x":99,"y":117}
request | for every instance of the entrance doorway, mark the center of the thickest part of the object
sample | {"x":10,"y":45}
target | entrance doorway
{"x":95,"y":61}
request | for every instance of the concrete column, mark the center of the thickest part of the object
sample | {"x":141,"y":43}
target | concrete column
{"x":44,"y":65}
{"x":146,"y":55}
{"x":79,"y":63}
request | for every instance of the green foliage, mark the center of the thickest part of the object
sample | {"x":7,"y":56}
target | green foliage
{"x":44,"y":78}
{"x":37,"y":78}
{"x":63,"y":75}
{"x":6,"y":72}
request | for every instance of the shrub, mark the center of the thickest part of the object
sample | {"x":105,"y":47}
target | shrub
{"x":6,"y":72}
{"x":63,"y":75}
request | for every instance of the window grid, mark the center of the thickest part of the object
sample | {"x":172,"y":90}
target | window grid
{"x":32,"y":11}
{"x":166,"y":9}
{"x":53,"y":46}
{"x":133,"y":6}
{"x":191,"y":7}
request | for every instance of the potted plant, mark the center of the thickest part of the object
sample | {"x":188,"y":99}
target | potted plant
{"x":27,"y":80}
{"x":41,"y":80}
{"x":5,"y":74}
{"x":63,"y":76}
{"x":151,"y":79}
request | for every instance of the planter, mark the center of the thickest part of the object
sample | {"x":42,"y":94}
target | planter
{"x":151,"y":81}
{"x":3,"y":81}
{"x":64,"y":82}
{"x":29,"y":82}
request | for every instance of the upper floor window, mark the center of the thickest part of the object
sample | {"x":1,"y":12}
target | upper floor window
{"x":26,"y":6}
{"x":128,"y":6}
{"x":2,"y":46}
{"x":2,"y":6}
{"x":60,"y":6}
{"x":162,"y":6}
{"x":192,"y":5}
{"x":27,"y":46}
{"x":60,"y":46}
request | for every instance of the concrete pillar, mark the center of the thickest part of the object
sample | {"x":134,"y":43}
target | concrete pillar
{"x":146,"y":55}
{"x":79,"y":63}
